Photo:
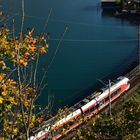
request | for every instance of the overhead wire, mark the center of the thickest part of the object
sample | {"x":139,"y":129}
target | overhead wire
{"x":69,"y":22}
{"x":84,"y":24}
{"x":95,"y":40}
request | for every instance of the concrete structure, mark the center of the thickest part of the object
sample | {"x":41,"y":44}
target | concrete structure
{"x":109,"y":4}
{"x":108,"y":0}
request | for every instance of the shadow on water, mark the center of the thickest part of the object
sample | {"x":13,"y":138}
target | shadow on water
{"x":123,"y":68}
{"x":73,"y":75}
{"x":91,"y":8}
{"x":133,"y":19}
{"x":99,"y":85}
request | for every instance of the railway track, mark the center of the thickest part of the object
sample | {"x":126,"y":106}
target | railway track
{"x":134,"y":77}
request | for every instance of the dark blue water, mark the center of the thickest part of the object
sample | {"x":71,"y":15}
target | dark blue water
{"x":95,"y":45}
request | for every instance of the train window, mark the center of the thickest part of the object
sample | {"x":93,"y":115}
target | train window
{"x":113,"y":94}
{"x":96,"y":106}
{"x":53,"y":133}
{"x":91,"y":109}
{"x":119,"y":90}
{"x":87,"y":111}
{"x":101,"y":102}
{"x":107,"y":98}
{"x":116,"y":92}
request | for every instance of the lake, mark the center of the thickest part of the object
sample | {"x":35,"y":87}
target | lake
{"x":94,"y":45}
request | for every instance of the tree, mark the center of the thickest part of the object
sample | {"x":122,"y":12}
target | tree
{"x":18,"y":90}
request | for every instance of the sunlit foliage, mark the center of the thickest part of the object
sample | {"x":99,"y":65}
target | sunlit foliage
{"x":17,"y":97}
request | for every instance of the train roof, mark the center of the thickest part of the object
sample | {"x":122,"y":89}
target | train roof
{"x":100,"y":91}
{"x":79,"y":104}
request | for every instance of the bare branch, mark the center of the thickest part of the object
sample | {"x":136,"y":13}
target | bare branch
{"x":45,"y":26}
{"x":57,"y":48}
{"x":35,"y":73}
{"x":22,"y":21}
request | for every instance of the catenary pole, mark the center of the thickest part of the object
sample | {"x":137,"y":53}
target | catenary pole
{"x":109,"y":84}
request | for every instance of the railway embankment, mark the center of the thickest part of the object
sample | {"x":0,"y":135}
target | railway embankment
{"x":88,"y":120}
{"x":103,"y":120}
{"x":122,"y":124}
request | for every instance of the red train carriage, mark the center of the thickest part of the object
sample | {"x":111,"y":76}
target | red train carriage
{"x":85,"y":109}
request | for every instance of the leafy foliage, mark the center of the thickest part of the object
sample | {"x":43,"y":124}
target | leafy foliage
{"x":16,"y":96}
{"x":123,"y":124}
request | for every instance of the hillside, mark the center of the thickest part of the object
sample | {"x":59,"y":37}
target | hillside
{"x":124,"y":124}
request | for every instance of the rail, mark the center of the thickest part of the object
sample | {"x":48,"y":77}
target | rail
{"x":132,"y":75}
{"x":133,"y":71}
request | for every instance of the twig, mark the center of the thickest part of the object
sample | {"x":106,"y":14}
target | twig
{"x":46,"y":23}
{"x":22,"y":21}
{"x":57,"y":48}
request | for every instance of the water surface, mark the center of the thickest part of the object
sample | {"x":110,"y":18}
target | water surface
{"x":93,"y":47}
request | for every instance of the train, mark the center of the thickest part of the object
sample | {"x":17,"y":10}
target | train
{"x":84,"y":109}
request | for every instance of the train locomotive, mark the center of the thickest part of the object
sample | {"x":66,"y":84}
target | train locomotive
{"x":86,"y":108}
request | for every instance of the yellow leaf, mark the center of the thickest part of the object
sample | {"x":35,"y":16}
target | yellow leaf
{"x":11,"y":99}
{"x":22,"y":62}
{"x":42,"y":50}
{"x":4,"y":86}
{"x":1,"y":100}
{"x":2,"y":76}
{"x":3,"y":93}
{"x":32,"y":48}
{"x":47,"y":46}
{"x":26,"y":54}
